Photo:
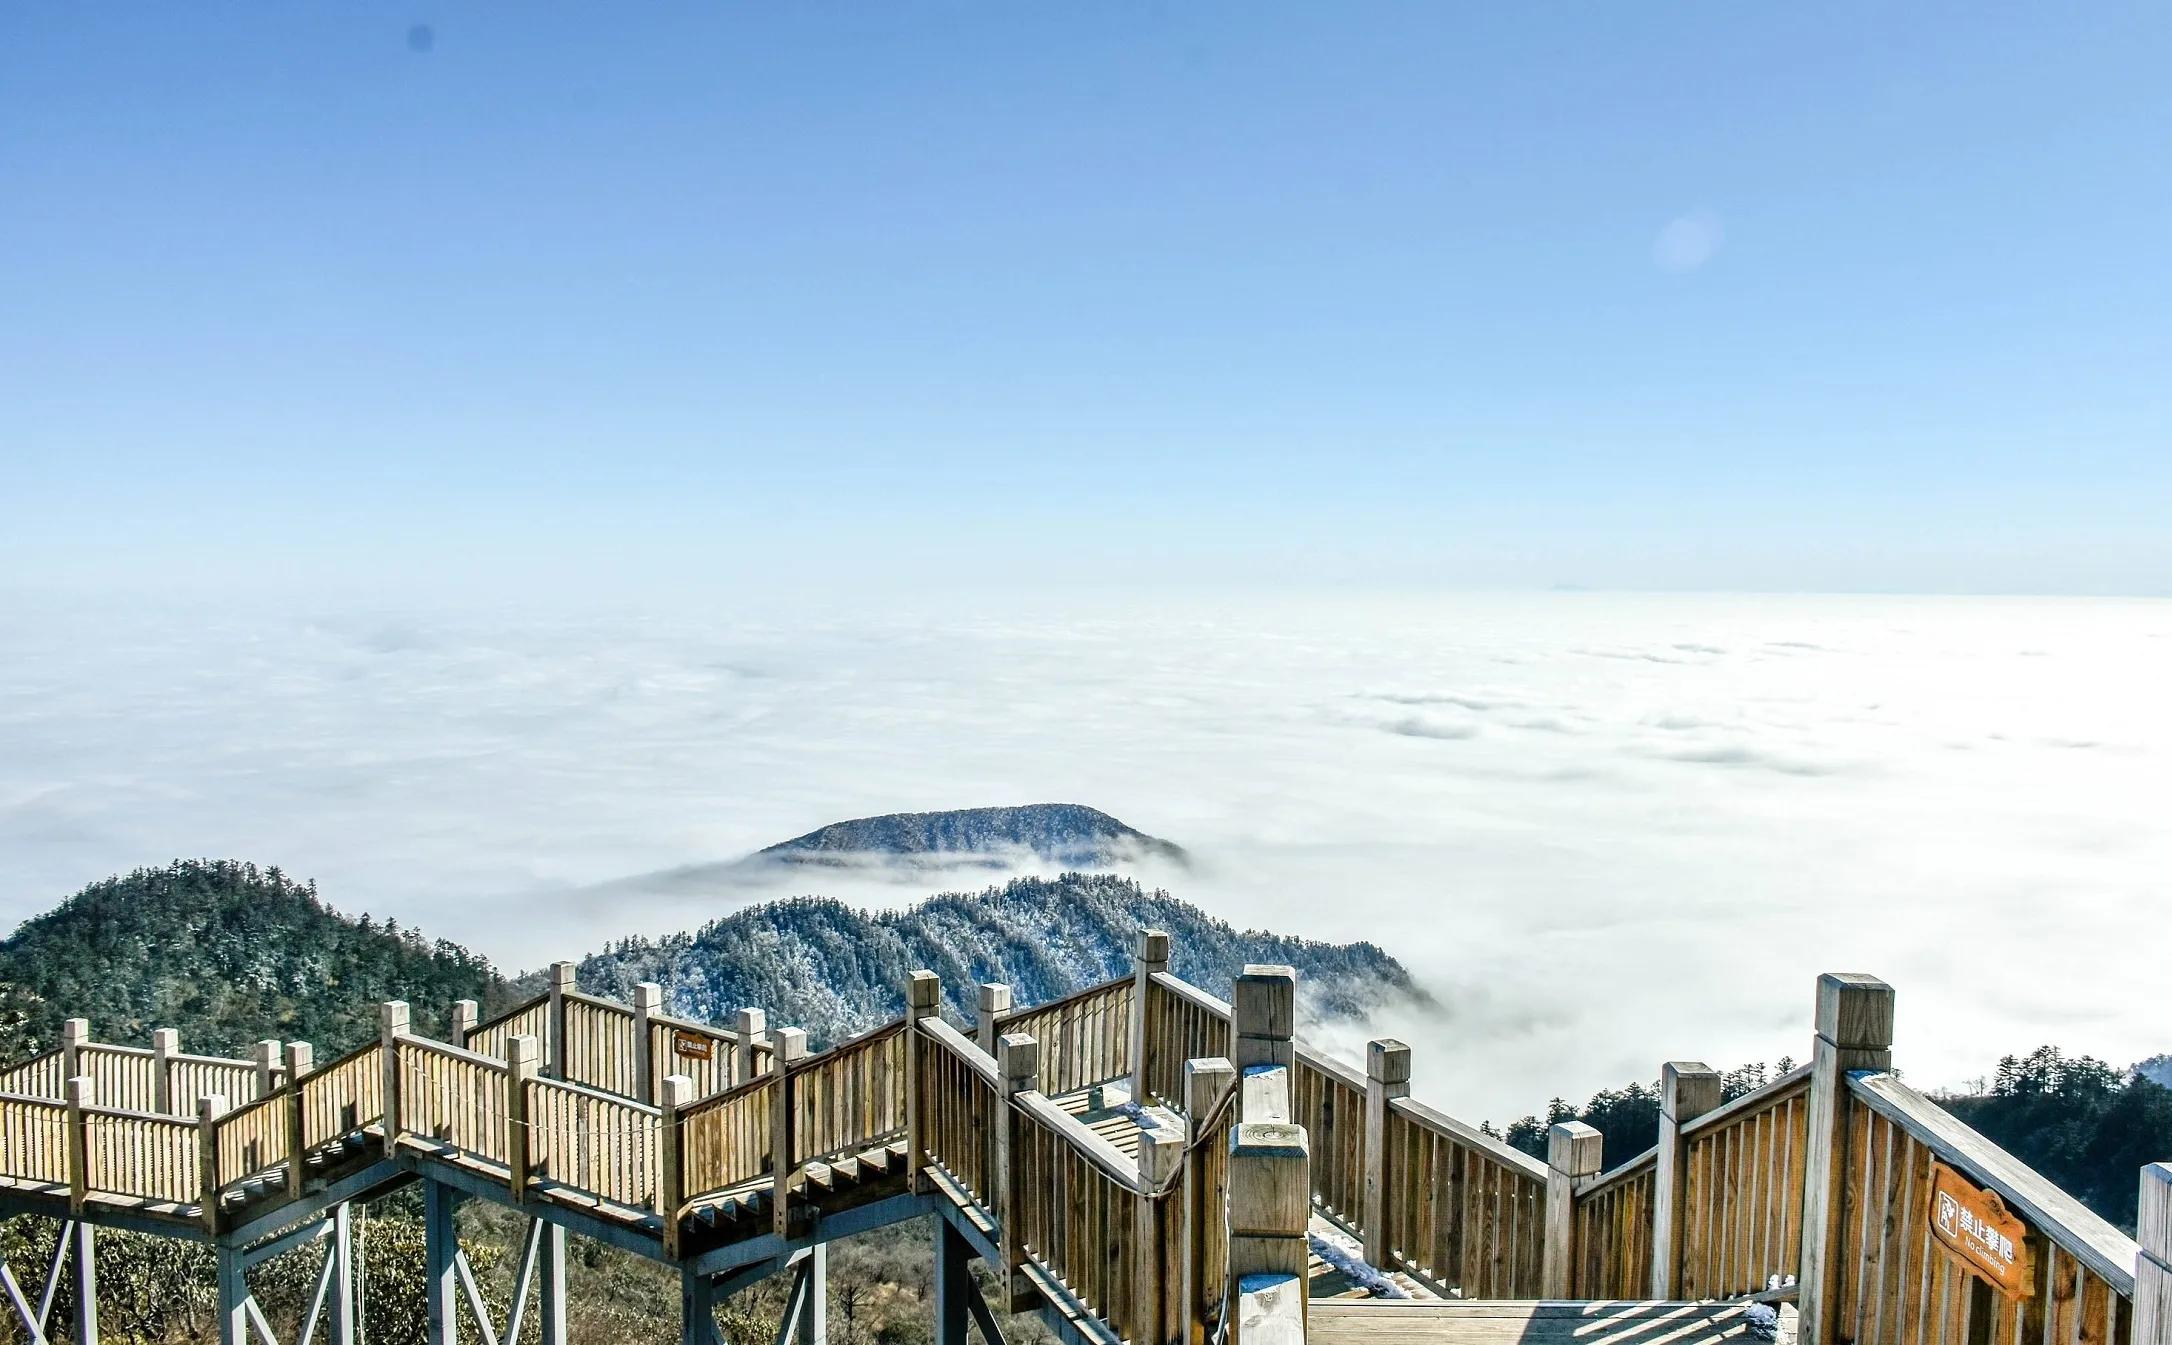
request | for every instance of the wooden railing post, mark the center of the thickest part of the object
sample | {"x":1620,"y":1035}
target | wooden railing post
{"x":2153,"y":1268}
{"x":1387,"y":1077}
{"x":1206,"y":1083}
{"x":923,"y":999}
{"x":1018,"y":1065}
{"x":561,"y":981}
{"x":1854,"y":1032}
{"x":753,"y":1030}
{"x":1151,"y":959}
{"x":648,"y":1003}
{"x":677,"y":1092}
{"x":465,"y":1015}
{"x":267,"y":1067}
{"x":522,"y":1062}
{"x":788,"y":1048}
{"x":1161,"y":1152}
{"x":1263,"y":1021}
{"x":74,"y":1036}
{"x":80,"y":1093}
{"x":209,"y":1109}
{"x":1572,"y":1151}
{"x":1687,"y":1090}
{"x":995,"y":1001}
{"x":165,"y":1045}
{"x":391,"y":1026}
{"x":1270,"y":1202}
{"x":301,"y":1059}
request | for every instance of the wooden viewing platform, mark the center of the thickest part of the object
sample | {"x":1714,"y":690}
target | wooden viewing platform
{"x":1138,"y":1162}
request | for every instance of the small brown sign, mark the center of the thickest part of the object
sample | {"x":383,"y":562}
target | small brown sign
{"x":1975,"y":1225}
{"x":692,"y":1046}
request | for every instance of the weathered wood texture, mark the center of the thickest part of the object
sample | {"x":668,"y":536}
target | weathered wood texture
{"x":591,"y":1140}
{"x":850,"y":1096}
{"x":724,"y":1140}
{"x":1469,"y":1214}
{"x":957,"y":1089}
{"x":1085,"y":1038}
{"x":1612,"y":1257}
{"x":1742,"y":1191}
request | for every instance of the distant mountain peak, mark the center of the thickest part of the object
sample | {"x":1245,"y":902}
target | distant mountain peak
{"x":1066,"y":835}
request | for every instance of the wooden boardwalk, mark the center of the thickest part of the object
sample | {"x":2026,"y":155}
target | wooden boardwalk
{"x":1138,"y":1162}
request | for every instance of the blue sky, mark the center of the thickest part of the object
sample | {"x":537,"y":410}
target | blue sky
{"x":1690,"y":296}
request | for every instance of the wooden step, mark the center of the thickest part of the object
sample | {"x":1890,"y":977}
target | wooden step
{"x":1381,"y":1321}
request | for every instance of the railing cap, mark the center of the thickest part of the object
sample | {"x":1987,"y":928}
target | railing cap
{"x":1688,"y":1089}
{"x":923,"y":994}
{"x":522,"y":1051}
{"x":1573,"y":1148}
{"x":995,"y":996}
{"x":648,"y":997}
{"x":165,"y":1040}
{"x":2153,"y":1218}
{"x":76,"y":1031}
{"x":1387,"y":1060}
{"x":561,"y":975}
{"x":392,"y":1015}
{"x":1153,"y":947}
{"x":1855,"y":1010}
{"x":753,"y":1022}
{"x":1018,"y":1060}
{"x":790,"y":1044}
{"x":1263,"y":1002}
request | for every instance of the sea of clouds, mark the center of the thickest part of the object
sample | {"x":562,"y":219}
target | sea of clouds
{"x":1604,"y":830}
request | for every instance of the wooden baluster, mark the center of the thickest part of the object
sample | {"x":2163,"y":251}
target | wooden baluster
{"x":2153,"y":1268}
{"x":789,"y":1047}
{"x":465,"y":1015}
{"x":995,"y":1002}
{"x":1151,"y":959}
{"x":165,"y":1045}
{"x":1573,"y":1150}
{"x":1018,"y":1064}
{"x":522,"y":1062}
{"x":391,"y":1026}
{"x":1387,"y":1077}
{"x":923,"y":999}
{"x":1270,"y":1202}
{"x":561,"y":982}
{"x":1854,"y":1032}
{"x":648,"y":1003}
{"x":753,"y":1030}
{"x":301,"y":1059}
{"x":671,"y":1159}
{"x":1206,"y":1082}
{"x":1687,"y":1090}
{"x":209,"y":1109}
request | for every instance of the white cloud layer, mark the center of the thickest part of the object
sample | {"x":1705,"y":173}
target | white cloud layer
{"x":1606,"y":830}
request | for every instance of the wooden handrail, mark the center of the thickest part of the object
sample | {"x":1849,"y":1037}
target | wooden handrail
{"x":503,"y":1017}
{"x":958,"y":1044}
{"x":1075,"y":1133}
{"x":1114,"y":983}
{"x":1499,"y":1151}
{"x":2080,"y":1231}
{"x":1762,"y":1095}
{"x":1600,"y":1182}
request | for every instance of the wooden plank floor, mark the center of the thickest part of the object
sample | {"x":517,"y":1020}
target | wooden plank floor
{"x":1380,"y":1321}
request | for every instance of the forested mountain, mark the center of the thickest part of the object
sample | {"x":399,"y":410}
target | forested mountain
{"x":228,"y":953}
{"x":832,"y":968}
{"x":1061,"y":835}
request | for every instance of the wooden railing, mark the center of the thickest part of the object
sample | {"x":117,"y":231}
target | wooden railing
{"x":850,"y":1096}
{"x":452,"y":1096}
{"x":1742,"y":1190}
{"x":43,"y":1076}
{"x":344,"y":1096}
{"x":597,"y":1142}
{"x":1467,"y":1212}
{"x":1183,"y":1023}
{"x":254,"y":1138}
{"x":34,"y":1139}
{"x":141,"y":1155}
{"x":600,"y":1050}
{"x":1897,"y":1284}
{"x":1329,"y":1099}
{"x":198,"y":1076}
{"x":529,"y":1019}
{"x":724,"y":1139}
{"x":127,"y":1076}
{"x":1085,"y":1037}
{"x":957,"y":1093}
{"x":1082,"y":1217}
{"x":704,"y":1054}
{"x":1613,"y":1231}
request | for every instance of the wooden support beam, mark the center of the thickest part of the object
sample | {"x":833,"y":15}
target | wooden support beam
{"x":1573,"y":1150}
{"x":554,"y":1050}
{"x":165,"y":1045}
{"x":1854,"y":1032}
{"x":953,"y":1281}
{"x":2153,"y":1268}
{"x":391,"y":1025}
{"x":75,"y":1034}
{"x":648,"y":1002}
{"x":465,"y":1015}
{"x":1263,"y":1018}
{"x":266,"y":1057}
{"x":522,"y":1063}
{"x":752,"y":1030}
{"x":788,"y":1048}
{"x":80,"y":1094}
{"x":440,"y":1253}
{"x":1387,"y":1077}
{"x":1018,"y":1069}
{"x":1206,"y":1082}
{"x":995,"y":1003}
{"x":1687,"y":1090}
{"x":84,"y":1252}
{"x":1150,"y":958}
{"x":923,"y":999}
{"x":671,"y":1160}
{"x":208,"y":1111}
{"x":301,"y":1061}
{"x":1161,"y":1153}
